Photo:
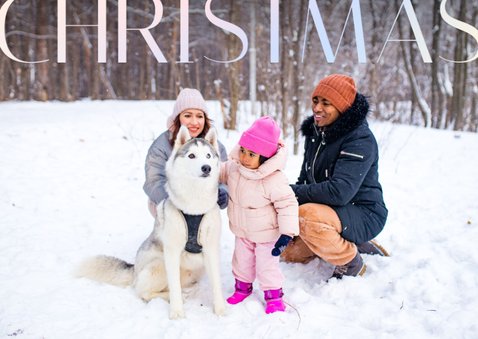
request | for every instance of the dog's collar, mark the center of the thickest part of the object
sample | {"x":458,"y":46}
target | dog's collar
{"x":193,"y":222}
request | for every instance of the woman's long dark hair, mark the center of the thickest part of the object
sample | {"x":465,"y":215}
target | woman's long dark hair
{"x":177,"y":126}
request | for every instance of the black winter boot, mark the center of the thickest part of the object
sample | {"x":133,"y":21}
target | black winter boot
{"x":352,"y":268}
{"x":372,"y":247}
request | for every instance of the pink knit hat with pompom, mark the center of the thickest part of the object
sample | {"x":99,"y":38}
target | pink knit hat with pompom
{"x":262,"y":137}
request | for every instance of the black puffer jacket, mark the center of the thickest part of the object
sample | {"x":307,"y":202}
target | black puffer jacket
{"x":340,"y":169}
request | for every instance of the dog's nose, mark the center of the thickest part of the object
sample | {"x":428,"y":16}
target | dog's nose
{"x":206,"y":169}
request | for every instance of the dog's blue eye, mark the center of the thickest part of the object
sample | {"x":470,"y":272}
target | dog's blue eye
{"x":208,"y":156}
{"x":191,"y":156}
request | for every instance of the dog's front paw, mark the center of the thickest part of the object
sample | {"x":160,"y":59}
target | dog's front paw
{"x":220,"y":308}
{"x":176,"y":314}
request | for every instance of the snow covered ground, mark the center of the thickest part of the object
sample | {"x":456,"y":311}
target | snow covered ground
{"x":71,"y":177}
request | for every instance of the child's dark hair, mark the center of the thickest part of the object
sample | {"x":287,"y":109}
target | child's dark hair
{"x":262,"y":159}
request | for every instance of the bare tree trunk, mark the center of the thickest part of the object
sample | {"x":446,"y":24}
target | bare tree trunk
{"x":6,"y":76}
{"x":64,"y":95}
{"x":95,"y":71}
{"x":297,"y":74}
{"x":148,"y":76}
{"x":411,"y":57}
{"x":110,"y":91}
{"x":292,"y":69}
{"x":24,"y":73}
{"x":53,"y":82}
{"x":408,"y":61}
{"x":141,"y":94}
{"x":436,"y":93}
{"x":86,"y":49}
{"x":112,"y":69}
{"x":59,"y":74}
{"x":41,"y":84}
{"x":233,"y":69}
{"x":72,"y":74}
{"x":222,"y":105}
{"x":94,"y":92}
{"x":157,"y":81}
{"x":374,"y":81}
{"x":197,"y":80}
{"x":144,"y":71}
{"x":285,"y":61}
{"x":474,"y":112}
{"x":7,"y":71}
{"x":474,"y":90}
{"x":252,"y":60}
{"x":284,"y":83}
{"x":459,"y":78}
{"x":173,"y":74}
{"x":3,"y":78}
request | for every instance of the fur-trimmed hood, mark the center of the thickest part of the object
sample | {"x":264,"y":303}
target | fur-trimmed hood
{"x":347,"y":121}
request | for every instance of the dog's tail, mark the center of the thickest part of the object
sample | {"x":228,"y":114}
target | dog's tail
{"x":106,"y":269}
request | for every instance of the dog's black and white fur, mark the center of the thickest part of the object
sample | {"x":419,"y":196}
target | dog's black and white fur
{"x":163,"y":266}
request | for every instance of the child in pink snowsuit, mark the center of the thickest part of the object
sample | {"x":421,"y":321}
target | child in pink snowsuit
{"x":262,"y":211}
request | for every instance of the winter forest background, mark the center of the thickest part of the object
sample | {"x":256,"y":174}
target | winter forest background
{"x":402,"y":87}
{"x":74,"y":137}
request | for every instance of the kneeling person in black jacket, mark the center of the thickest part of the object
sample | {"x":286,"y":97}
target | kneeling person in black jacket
{"x":341,"y":203}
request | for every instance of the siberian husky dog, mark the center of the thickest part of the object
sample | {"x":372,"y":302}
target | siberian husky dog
{"x":186,"y":233}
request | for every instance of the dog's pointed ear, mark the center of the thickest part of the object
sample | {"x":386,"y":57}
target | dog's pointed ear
{"x":182,"y":137}
{"x":211,"y":137}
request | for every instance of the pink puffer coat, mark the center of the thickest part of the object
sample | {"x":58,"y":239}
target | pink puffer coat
{"x":262,"y":206}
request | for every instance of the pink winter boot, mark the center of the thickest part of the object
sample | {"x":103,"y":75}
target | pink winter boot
{"x":243,"y":290}
{"x":274,"y":301}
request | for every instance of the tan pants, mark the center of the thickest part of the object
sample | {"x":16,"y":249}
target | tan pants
{"x":320,"y":229}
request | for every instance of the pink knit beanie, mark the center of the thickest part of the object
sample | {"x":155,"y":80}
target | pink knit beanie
{"x":187,"y":98}
{"x":262,"y":137}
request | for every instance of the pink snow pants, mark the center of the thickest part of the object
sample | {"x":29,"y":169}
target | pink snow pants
{"x":254,"y":260}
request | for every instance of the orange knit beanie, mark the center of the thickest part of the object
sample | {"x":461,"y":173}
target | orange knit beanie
{"x":338,"y":89}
